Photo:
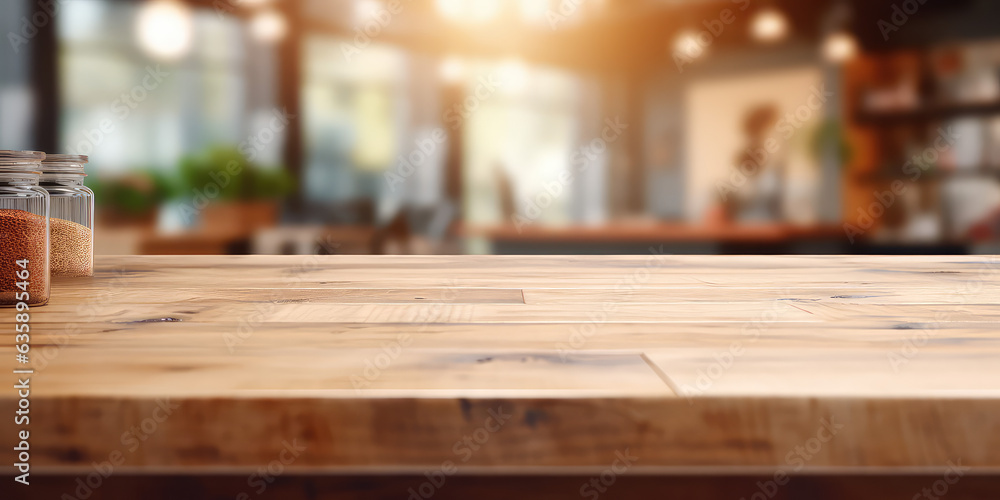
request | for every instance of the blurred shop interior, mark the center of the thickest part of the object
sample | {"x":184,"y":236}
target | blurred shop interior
{"x":517,"y":126}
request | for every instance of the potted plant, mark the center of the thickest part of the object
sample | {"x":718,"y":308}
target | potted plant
{"x":230,"y":193}
{"x":267,"y":187}
{"x":132,"y":199}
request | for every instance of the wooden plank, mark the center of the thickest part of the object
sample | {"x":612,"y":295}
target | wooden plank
{"x":958,"y":274}
{"x":78,"y":295}
{"x":395,"y":369}
{"x":536,"y":336}
{"x":274,"y":310}
{"x":853,"y":296}
{"x":155,"y":295}
{"x":901,"y":370}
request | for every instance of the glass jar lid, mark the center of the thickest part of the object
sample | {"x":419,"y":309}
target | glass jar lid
{"x":58,"y":164}
{"x":20,"y":161}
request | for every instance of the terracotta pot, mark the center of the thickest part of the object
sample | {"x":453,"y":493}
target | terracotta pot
{"x":239,"y":217}
{"x":108,"y":217}
{"x":259,"y":214}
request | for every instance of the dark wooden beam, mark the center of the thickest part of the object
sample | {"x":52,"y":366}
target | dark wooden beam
{"x":290,"y":95}
{"x":635,"y":141}
{"x":44,"y":77}
{"x":454,"y":179}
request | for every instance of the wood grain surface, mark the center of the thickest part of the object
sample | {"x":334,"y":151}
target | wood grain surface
{"x":691,"y":363}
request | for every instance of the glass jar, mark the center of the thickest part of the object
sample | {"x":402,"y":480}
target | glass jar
{"x":24,"y":230}
{"x":71,"y":215}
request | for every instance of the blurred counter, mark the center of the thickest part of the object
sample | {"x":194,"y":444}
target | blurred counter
{"x":632,"y":238}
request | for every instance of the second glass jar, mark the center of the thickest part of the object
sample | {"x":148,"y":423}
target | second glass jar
{"x":71,"y":215}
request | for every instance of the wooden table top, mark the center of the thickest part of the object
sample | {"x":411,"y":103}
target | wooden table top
{"x":518,"y":363}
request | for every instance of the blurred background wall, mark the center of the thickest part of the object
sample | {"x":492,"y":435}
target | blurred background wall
{"x":517,"y":126}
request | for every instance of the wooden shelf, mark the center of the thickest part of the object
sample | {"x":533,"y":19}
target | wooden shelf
{"x":927,"y":114}
{"x":930,"y":175}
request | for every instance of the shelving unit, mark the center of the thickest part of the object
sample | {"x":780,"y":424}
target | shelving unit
{"x":915,"y":90}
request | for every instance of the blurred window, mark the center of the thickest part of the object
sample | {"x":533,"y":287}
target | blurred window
{"x":185,"y":105}
{"x":16,"y":97}
{"x":524,"y":132}
{"x":353,"y":111}
{"x":360,"y":117}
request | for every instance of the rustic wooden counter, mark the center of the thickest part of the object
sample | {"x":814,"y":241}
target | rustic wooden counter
{"x":517,"y":365}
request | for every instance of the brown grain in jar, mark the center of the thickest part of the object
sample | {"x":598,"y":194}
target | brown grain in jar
{"x":24,"y":230}
{"x":23,"y":238}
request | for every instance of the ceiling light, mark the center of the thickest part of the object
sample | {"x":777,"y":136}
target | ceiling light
{"x":364,"y":10}
{"x":687,"y":44}
{"x":268,"y":26}
{"x":164,"y":29}
{"x":514,"y":75}
{"x":534,"y":10}
{"x":839,"y":47}
{"x":769,"y":25}
{"x":452,"y":70}
{"x":469,"y":10}
{"x":483,"y":10}
{"x":451,"y":9}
